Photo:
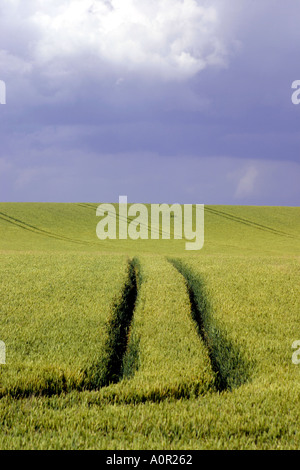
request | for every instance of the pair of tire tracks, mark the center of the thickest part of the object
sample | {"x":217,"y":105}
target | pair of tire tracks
{"x":219,"y":213}
{"x":122,"y":218}
{"x":109,"y":369}
{"x":39,"y":231}
{"x":227,"y":363}
{"x":230,"y":368}
{"x":249,"y":223}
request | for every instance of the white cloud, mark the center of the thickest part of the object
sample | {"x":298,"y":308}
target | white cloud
{"x":246,"y":185}
{"x":171,"y":39}
{"x":12,"y":64}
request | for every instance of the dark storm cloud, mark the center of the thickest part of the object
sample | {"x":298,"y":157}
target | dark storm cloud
{"x":89,"y":119}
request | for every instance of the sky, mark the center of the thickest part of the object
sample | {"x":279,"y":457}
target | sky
{"x":164,"y":101}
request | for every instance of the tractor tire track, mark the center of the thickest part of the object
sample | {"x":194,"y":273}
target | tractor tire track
{"x":228,"y":363}
{"x":128,"y":219}
{"x":40,"y":231}
{"x":249,"y":223}
{"x":219,"y":213}
{"x":109,"y":369}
